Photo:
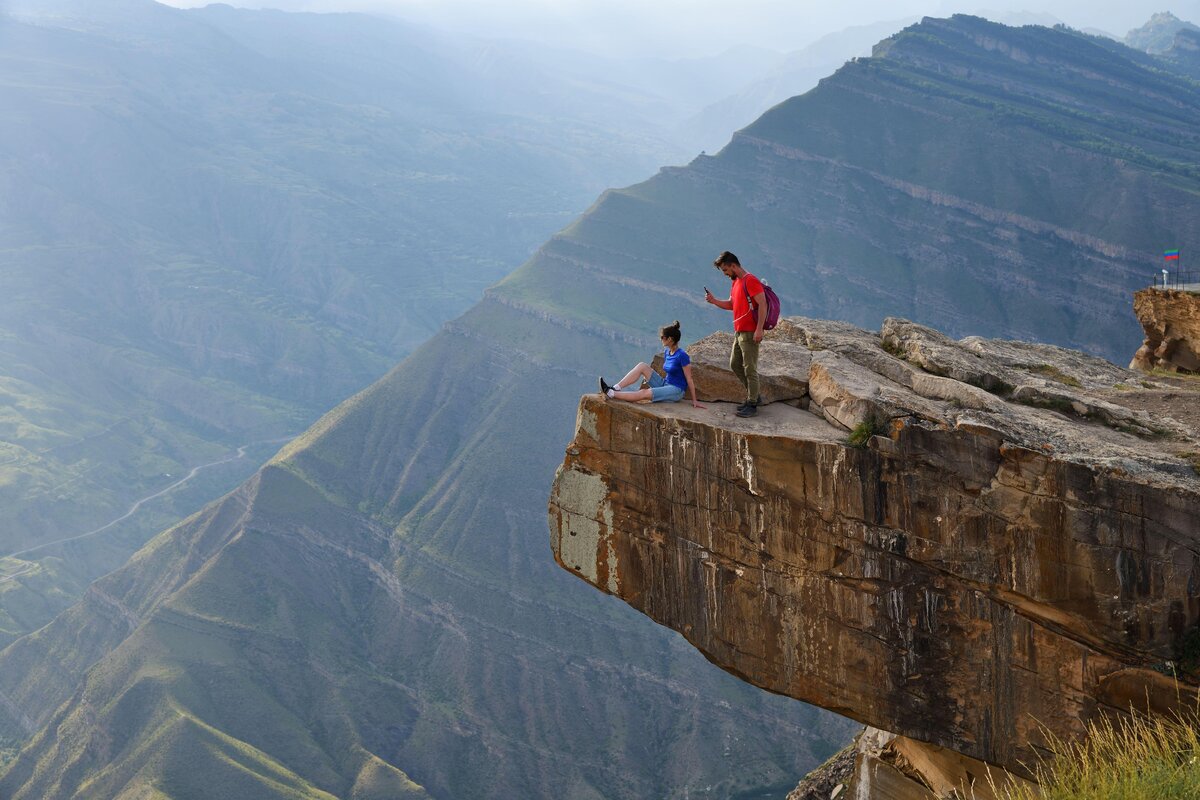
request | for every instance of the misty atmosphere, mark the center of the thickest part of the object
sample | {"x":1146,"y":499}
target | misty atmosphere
{"x":699,"y":28}
{"x":301,"y":302}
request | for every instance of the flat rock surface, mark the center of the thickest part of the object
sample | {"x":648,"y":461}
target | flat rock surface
{"x":1077,"y":406}
{"x":776,"y":419}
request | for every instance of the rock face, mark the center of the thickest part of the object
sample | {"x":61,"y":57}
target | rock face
{"x":1012,"y":548}
{"x":1171,"y":320}
{"x":882,"y":766}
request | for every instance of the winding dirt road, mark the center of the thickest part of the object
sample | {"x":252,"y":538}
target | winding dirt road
{"x":133,"y":509}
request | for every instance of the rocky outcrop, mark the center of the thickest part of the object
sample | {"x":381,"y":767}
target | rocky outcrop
{"x":1171,"y":320}
{"x":973,"y":544}
{"x":882,"y":766}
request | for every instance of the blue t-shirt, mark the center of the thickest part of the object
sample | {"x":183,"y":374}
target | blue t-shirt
{"x":673,"y":364}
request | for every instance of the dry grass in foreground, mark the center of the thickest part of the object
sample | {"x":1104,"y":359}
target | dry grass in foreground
{"x":1137,"y":759}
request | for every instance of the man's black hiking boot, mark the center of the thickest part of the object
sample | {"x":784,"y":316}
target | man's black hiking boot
{"x":748,"y":409}
{"x":604,"y":387}
{"x":742,"y":407}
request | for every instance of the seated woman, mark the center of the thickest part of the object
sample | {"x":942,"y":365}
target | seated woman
{"x":676,"y":365}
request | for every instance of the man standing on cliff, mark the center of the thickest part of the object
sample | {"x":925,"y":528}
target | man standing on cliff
{"x":748,"y":302}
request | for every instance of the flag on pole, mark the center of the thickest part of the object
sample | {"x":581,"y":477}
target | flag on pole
{"x":1171,"y":255}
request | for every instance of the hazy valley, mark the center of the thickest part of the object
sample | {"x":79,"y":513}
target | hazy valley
{"x":219,"y":223}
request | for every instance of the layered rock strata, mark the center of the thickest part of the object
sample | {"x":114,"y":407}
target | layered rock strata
{"x":1171,"y":320}
{"x":1012,"y":547}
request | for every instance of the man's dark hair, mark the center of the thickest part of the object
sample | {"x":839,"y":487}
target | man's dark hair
{"x":726,"y":258}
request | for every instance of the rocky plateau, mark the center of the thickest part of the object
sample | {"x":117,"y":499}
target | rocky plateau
{"x":970,"y":546}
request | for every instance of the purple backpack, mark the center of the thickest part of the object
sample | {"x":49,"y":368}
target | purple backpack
{"x":772,"y":304}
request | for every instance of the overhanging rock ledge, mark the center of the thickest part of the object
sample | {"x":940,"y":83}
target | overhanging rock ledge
{"x":1014,"y":549}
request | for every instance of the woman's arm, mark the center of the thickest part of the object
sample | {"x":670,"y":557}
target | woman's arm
{"x":687,"y":373}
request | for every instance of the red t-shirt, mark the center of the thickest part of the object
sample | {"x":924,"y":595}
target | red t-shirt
{"x":743,"y":317}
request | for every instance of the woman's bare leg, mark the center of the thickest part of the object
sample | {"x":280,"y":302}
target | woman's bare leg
{"x":639,"y":372}
{"x":633,"y":397}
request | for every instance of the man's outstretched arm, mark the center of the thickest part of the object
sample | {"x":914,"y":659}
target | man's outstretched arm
{"x":709,"y":297}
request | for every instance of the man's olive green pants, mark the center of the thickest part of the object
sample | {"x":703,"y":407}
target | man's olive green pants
{"x":743,"y":360}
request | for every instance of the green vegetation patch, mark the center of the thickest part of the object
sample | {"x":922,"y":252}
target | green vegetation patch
{"x":1164,"y":373}
{"x":1054,"y":373}
{"x":1059,"y":404}
{"x":861,"y":433}
{"x":1135,"y":759}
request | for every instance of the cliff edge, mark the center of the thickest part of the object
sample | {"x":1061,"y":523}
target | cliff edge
{"x":1009,"y":547}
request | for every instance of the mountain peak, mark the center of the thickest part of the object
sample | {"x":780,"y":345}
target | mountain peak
{"x":1158,"y":34}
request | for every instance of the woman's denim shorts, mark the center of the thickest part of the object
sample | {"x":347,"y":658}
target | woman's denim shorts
{"x":662,"y":391}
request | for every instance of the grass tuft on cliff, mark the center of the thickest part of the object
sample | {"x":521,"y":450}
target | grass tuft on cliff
{"x":861,"y":433}
{"x":1138,"y":759}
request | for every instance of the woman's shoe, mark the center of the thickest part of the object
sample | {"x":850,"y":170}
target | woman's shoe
{"x":604,"y":387}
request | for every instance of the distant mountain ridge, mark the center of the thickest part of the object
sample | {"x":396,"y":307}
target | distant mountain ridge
{"x":379,"y":604}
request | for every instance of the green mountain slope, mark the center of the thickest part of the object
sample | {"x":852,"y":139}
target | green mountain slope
{"x":383,"y":589}
{"x":216,"y":224}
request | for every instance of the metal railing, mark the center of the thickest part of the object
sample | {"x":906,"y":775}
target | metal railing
{"x":1179,"y":280}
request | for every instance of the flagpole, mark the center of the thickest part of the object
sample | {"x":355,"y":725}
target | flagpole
{"x":1171,"y":255}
